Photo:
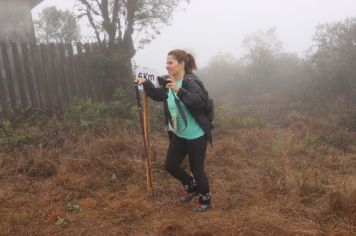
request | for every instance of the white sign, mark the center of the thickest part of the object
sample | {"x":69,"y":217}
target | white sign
{"x":148,"y":74}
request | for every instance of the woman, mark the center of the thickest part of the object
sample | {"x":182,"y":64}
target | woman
{"x":188,"y":125}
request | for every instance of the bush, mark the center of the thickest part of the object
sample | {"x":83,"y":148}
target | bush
{"x":85,"y":112}
{"x":121,"y":107}
{"x":8,"y":136}
{"x":110,"y":69}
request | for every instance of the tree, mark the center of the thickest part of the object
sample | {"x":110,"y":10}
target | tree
{"x":263,"y":50}
{"x":55,"y":25}
{"x":335,"y":58}
{"x":116,"y":21}
{"x":262,"y":45}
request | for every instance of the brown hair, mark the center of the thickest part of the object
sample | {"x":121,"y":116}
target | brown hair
{"x":188,"y":59}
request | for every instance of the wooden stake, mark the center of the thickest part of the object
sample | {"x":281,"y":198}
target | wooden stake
{"x":146,"y":124}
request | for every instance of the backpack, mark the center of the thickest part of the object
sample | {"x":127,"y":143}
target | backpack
{"x":208,"y":102}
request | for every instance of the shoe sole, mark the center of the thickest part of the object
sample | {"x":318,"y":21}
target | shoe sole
{"x":198,"y":210}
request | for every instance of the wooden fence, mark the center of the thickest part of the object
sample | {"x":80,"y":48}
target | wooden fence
{"x":45,"y":77}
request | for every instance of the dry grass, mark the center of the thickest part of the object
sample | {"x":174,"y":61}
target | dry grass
{"x":285,"y":180}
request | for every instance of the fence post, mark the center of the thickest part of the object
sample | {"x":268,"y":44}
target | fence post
{"x":73,"y":71}
{"x":53,"y":79}
{"x":20,"y":77}
{"x":39,"y":76}
{"x":47,"y":81}
{"x":64,"y":68}
{"x":29,"y":72}
{"x":81,"y":73}
{"x":3,"y":103}
{"x":9,"y":77}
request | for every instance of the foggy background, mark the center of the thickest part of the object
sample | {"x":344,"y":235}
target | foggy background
{"x":207,"y":28}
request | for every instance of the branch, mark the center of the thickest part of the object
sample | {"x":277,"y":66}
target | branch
{"x":92,"y":23}
{"x":89,"y":7}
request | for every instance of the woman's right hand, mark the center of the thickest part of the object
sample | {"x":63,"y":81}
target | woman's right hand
{"x":140,"y":80}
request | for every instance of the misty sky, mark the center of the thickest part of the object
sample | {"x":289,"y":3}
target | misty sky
{"x":210,"y":27}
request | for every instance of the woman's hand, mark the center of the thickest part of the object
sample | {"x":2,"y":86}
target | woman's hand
{"x":172,"y":84}
{"x":140,"y":80}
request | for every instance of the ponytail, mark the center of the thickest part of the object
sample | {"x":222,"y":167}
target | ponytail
{"x":190,"y":64}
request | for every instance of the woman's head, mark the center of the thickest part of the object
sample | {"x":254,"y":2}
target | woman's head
{"x":179,"y":61}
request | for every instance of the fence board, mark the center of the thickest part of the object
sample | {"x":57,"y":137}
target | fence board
{"x":81,"y":74}
{"x":39,"y":77}
{"x":73,"y":70}
{"x":9,"y":78}
{"x":46,"y":73}
{"x":21,"y":83}
{"x":3,"y":102}
{"x":65,"y":73}
{"x":55,"y":90}
{"x":29,"y":74}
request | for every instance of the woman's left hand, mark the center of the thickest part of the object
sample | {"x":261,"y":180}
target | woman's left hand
{"x":172,"y":84}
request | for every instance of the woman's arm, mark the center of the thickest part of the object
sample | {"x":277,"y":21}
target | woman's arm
{"x":192,"y":96}
{"x":156,"y":94}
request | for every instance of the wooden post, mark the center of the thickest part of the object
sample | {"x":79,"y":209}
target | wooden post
{"x":17,"y":69}
{"x":46,"y":74}
{"x":3,"y":98}
{"x":63,"y":79}
{"x":9,"y":77}
{"x":29,"y":74}
{"x":36,"y":59}
{"x":73,"y":71}
{"x":81,"y":72}
{"x":147,"y":143}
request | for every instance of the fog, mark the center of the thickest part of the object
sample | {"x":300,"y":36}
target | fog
{"x":207,"y":28}
{"x":276,"y":89}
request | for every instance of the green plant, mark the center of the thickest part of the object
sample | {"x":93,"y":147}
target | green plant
{"x":62,"y":221}
{"x":8,"y":135}
{"x":120,"y":107}
{"x":85,"y":112}
{"x":72,"y":208}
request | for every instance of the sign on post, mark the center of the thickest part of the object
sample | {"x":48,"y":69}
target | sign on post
{"x":148,"y":74}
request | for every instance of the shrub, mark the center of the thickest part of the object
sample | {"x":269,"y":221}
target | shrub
{"x":85,"y":112}
{"x":8,"y":135}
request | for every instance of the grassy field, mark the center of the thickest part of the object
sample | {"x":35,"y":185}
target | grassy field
{"x":293,"y":176}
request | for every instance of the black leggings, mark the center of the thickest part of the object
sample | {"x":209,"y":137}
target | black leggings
{"x":196,"y":149}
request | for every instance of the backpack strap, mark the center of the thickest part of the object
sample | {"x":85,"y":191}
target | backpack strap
{"x":180,"y":109}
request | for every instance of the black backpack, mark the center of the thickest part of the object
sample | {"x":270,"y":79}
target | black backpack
{"x":208,"y":102}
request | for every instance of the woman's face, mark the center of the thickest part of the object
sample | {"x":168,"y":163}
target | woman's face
{"x":173,"y":66}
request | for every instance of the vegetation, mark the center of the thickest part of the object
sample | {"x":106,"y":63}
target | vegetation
{"x":268,"y":74}
{"x":56,"y":26}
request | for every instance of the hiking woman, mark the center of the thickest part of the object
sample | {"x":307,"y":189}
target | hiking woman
{"x":188,"y":126}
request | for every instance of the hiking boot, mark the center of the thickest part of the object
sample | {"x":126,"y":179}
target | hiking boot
{"x":201,"y":207}
{"x":203,"y":203}
{"x":187,"y":197}
{"x":190,"y":192}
